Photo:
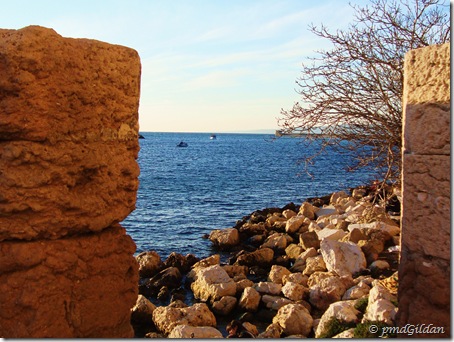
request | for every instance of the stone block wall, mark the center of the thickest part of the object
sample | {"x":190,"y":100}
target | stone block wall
{"x":425,"y":271}
{"x":68,"y":176}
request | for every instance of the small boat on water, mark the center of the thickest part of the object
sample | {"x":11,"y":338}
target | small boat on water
{"x":213,"y":136}
{"x":182,"y":144}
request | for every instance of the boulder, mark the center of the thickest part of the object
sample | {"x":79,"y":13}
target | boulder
{"x":307,"y":210}
{"x":275,"y":302}
{"x":275,"y":241}
{"x":294,"y":291}
{"x":260,"y":257}
{"x":149,"y":264}
{"x":166,"y":318}
{"x":236,"y":271}
{"x":266,"y":287}
{"x":314,"y":264}
{"x":294,"y":319}
{"x":349,"y":333}
{"x":277,"y":273}
{"x":327,"y":291}
{"x":250,"y":299}
{"x":309,"y":240}
{"x":212,"y":283}
{"x":343,"y":311}
{"x":297,"y":278}
{"x":294,"y":224}
{"x":243,"y":284}
{"x":224,"y":306}
{"x":331,"y":234}
{"x":336,"y":196}
{"x":273,"y":330}
{"x":142,"y":311}
{"x":288,"y":213}
{"x":316,"y":277}
{"x":359,"y":290}
{"x":391,"y":229}
{"x":343,"y":258}
{"x":183,"y":263}
{"x":300,"y":263}
{"x":251,"y":229}
{"x":293,"y":250}
{"x":187,"y":332}
{"x":326,"y":211}
{"x":381,"y":310}
{"x":225,"y":238}
{"x":354,"y":236}
{"x":169,"y":277}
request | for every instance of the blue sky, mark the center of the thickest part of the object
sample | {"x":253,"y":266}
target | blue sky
{"x":207,"y":66}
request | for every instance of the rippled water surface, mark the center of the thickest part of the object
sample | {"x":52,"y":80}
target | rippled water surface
{"x":185,"y":192}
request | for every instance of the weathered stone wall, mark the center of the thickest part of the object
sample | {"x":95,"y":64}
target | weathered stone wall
{"x":424,"y":272}
{"x":68,"y":175}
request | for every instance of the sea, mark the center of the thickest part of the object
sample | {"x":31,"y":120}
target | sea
{"x":186,"y":192}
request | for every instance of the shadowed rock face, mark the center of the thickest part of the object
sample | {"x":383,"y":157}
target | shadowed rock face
{"x":68,"y":175}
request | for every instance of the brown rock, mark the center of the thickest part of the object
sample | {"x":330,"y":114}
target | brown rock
{"x":309,"y":240}
{"x":68,"y":132}
{"x":74,"y":287}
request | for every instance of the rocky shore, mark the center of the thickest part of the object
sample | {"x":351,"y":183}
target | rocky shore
{"x":325,"y":268}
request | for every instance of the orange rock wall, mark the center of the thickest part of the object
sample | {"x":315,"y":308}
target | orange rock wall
{"x":68,"y":175}
{"x":424,"y":272}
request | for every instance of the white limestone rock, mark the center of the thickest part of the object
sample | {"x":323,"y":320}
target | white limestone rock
{"x":343,"y":311}
{"x":294,"y":291}
{"x":187,"y":331}
{"x":294,"y":319}
{"x":212,"y":283}
{"x":294,"y":224}
{"x":275,"y":302}
{"x":225,"y":238}
{"x":314,"y":264}
{"x":331,"y":234}
{"x":268,"y":287}
{"x":250,"y":299}
{"x":343,"y":258}
{"x":166,"y":318}
{"x":224,"y":306}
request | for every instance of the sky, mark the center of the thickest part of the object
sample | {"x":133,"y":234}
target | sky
{"x":207,"y":65}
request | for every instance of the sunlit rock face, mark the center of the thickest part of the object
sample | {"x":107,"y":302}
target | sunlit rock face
{"x":68,"y":175}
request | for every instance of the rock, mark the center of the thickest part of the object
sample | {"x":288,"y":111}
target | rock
{"x":169,"y":277}
{"x":300,"y":263}
{"x":69,"y":134}
{"x":379,"y":265}
{"x":260,"y":257}
{"x":267,"y":287}
{"x":294,"y":224}
{"x":273,"y":330}
{"x":224,"y":306}
{"x":336,"y":196}
{"x":294,"y":291}
{"x":225,"y":238}
{"x":142,"y":311}
{"x":381,"y":310}
{"x":309,"y":240}
{"x":293,"y":250}
{"x":288,"y":213}
{"x":294,"y":319}
{"x":328,"y":290}
{"x":391,"y":229}
{"x":342,"y":311}
{"x":166,"y":318}
{"x":242,"y":284}
{"x":314,"y":264}
{"x":275,"y":302}
{"x":183,"y":263}
{"x":343,"y":258}
{"x":275,"y":241}
{"x":236,"y":271}
{"x":149,"y":264}
{"x":277,"y":273}
{"x":354,"y":236}
{"x":187,"y":331}
{"x":210,"y":261}
{"x":250,"y":299}
{"x":331,"y":234}
{"x":40,"y":279}
{"x":357,"y":291}
{"x":325,"y":211}
{"x":359,"y":193}
{"x":297,"y":278}
{"x":307,"y":210}
{"x":212,"y":283}
{"x":251,"y":229}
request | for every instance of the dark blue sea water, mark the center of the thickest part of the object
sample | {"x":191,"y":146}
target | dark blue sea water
{"x":185,"y":192}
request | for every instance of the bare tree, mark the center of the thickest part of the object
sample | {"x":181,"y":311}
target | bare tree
{"x":351,"y":95}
